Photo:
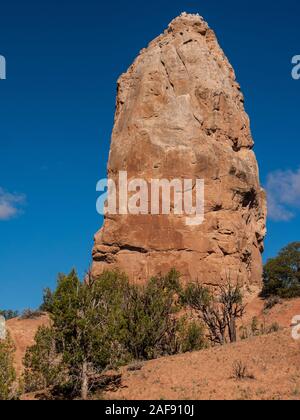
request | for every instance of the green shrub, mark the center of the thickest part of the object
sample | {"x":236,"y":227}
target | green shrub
{"x":31,"y":314}
{"x":9,"y":314}
{"x":8,"y":389}
{"x":282,"y":274}
{"x":47,"y":301}
{"x":103,"y":323}
{"x":193,"y":338}
{"x":42,"y":363}
{"x":149,"y":322}
{"x":86,"y":321}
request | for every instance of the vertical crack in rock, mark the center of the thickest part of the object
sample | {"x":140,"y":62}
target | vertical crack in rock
{"x":181,"y":59}
{"x":168,"y":77}
{"x":180,"y":115}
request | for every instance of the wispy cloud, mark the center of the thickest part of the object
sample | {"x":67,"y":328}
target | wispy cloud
{"x":10,"y":204}
{"x":283,"y":188}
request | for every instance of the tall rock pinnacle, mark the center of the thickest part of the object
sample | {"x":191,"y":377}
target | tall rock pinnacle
{"x":180,"y":115}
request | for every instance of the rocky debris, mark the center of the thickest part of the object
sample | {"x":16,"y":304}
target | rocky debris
{"x":180,"y":115}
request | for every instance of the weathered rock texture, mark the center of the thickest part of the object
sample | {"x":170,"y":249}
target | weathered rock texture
{"x":180,"y":114}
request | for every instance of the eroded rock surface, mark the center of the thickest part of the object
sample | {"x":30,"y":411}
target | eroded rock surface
{"x":180,"y":114}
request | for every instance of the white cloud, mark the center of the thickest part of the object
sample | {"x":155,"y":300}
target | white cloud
{"x":10,"y":204}
{"x":283,"y":188}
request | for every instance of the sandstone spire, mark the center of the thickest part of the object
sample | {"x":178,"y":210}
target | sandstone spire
{"x":180,"y":114}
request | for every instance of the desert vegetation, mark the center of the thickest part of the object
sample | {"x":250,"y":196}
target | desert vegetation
{"x":217,"y":309}
{"x":282,"y":273}
{"x":99,"y":325}
{"x":9,"y":314}
{"x":257,"y":328}
{"x":8,"y":388}
{"x":240,"y":371}
{"x":27,"y":313}
{"x":102,"y":324}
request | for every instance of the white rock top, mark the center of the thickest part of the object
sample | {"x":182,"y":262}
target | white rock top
{"x":2,"y":328}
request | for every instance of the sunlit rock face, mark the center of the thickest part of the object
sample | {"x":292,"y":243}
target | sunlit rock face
{"x":180,"y":115}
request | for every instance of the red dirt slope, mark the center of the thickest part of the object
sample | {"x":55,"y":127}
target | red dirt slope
{"x":273,"y":360}
{"x":22,"y":332}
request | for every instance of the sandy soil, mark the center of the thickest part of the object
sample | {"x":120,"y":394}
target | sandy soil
{"x":272,"y":362}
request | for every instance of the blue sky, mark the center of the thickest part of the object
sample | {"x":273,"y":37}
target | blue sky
{"x":56,"y":114}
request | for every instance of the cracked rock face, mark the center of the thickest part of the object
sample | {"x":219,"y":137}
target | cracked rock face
{"x":180,"y":114}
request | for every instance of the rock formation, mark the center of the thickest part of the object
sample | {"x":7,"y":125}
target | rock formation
{"x":180,"y":114}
